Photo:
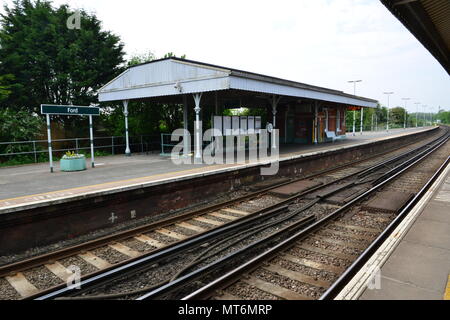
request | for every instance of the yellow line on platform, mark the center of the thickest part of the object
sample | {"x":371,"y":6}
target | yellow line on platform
{"x":447,"y":290}
{"x":103,"y":184}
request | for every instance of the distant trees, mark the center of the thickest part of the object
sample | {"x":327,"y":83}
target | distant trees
{"x":379,"y":116}
{"x":397,"y":116}
{"x":444,"y":117}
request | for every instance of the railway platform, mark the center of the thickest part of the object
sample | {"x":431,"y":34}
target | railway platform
{"x":33,"y":184}
{"x":414,"y":262}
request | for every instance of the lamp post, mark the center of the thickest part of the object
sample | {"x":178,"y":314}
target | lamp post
{"x":417,"y":114}
{"x":388,"y":95}
{"x":354,"y":112}
{"x":424,"y":115}
{"x":406,"y":112}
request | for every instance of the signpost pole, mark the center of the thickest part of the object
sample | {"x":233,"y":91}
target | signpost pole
{"x":362,"y":120}
{"x":91,"y":130}
{"x":49,"y":134}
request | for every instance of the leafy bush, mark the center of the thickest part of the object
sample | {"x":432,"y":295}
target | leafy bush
{"x":18,"y":126}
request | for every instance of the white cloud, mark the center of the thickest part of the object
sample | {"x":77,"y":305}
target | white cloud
{"x":322,"y":42}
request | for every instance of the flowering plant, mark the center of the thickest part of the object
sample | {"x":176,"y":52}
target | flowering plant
{"x":73,"y":155}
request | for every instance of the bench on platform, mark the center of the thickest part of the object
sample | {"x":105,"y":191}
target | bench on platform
{"x":331,"y":136}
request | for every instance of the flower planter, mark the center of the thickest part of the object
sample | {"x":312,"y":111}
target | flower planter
{"x":70,"y":165}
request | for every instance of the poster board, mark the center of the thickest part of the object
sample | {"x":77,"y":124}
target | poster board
{"x":251,"y":125}
{"x":236,"y":126}
{"x":227,"y":128}
{"x":236,"y":123}
{"x":218,"y":126}
{"x":244,"y":126}
{"x":258,"y":124}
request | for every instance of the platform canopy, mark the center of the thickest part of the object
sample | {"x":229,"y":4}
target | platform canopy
{"x":429,"y":22}
{"x":169,"y":79}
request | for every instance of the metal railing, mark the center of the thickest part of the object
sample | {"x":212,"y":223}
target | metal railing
{"x":111,"y":145}
{"x":382,"y":127}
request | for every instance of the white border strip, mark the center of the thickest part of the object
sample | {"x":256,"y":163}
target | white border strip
{"x":356,"y":287}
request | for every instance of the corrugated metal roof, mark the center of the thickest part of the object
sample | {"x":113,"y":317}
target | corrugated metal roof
{"x":439,"y":12}
{"x":157,"y":78}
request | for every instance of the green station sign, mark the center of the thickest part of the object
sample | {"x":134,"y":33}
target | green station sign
{"x":69,"y":110}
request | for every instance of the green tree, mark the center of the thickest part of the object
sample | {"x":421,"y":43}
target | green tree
{"x":173,"y":55}
{"x":141,"y":58}
{"x":52,"y":62}
{"x":5,"y":86}
{"x":397,"y":117}
{"x":444,"y":116}
{"x":19,"y":125}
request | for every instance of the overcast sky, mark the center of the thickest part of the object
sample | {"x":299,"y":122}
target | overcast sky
{"x":320,"y":42}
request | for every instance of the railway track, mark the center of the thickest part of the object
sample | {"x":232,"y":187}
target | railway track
{"x":316,"y":262}
{"x":201,"y":262}
{"x":45,"y":276}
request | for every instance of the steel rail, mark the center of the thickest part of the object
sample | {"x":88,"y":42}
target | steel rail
{"x":137,"y":263}
{"x":356,"y":266}
{"x":233,"y":275}
{"x":179,"y":282}
{"x":126,"y":234}
{"x":99,"y":242}
{"x":176,"y":284}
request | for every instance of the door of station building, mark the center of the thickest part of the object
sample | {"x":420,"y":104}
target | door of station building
{"x":309,"y":130}
{"x":304,"y":130}
{"x":290,"y":128}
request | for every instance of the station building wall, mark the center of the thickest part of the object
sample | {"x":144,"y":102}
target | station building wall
{"x":296,"y":123}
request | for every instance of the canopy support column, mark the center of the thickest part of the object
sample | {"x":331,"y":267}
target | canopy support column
{"x":125,"y":113}
{"x":216,"y":102}
{"x":354,"y":122}
{"x":186,"y":126}
{"x":316,"y":123}
{"x":275,"y":101}
{"x":198,"y":128}
{"x":362,"y":120}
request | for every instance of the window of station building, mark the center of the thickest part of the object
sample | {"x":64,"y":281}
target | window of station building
{"x":303,"y":108}
{"x":338,"y":121}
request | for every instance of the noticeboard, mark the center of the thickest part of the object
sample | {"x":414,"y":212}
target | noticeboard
{"x":227,"y":129}
{"x":218,"y":126}
{"x":251,"y":125}
{"x":244,"y":126}
{"x":236,"y":122}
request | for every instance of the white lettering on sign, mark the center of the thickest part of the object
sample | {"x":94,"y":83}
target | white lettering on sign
{"x":72,"y":110}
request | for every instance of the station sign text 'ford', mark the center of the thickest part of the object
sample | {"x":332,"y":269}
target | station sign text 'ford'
{"x":69,"y":110}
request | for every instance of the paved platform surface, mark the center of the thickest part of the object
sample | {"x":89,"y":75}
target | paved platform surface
{"x":32,"y":183}
{"x":419,"y":267}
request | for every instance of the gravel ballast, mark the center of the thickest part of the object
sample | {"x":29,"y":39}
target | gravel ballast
{"x":42,"y":278}
{"x":85,"y":268}
{"x":248,"y":292}
{"x":110,"y":255}
{"x":7,"y":292}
